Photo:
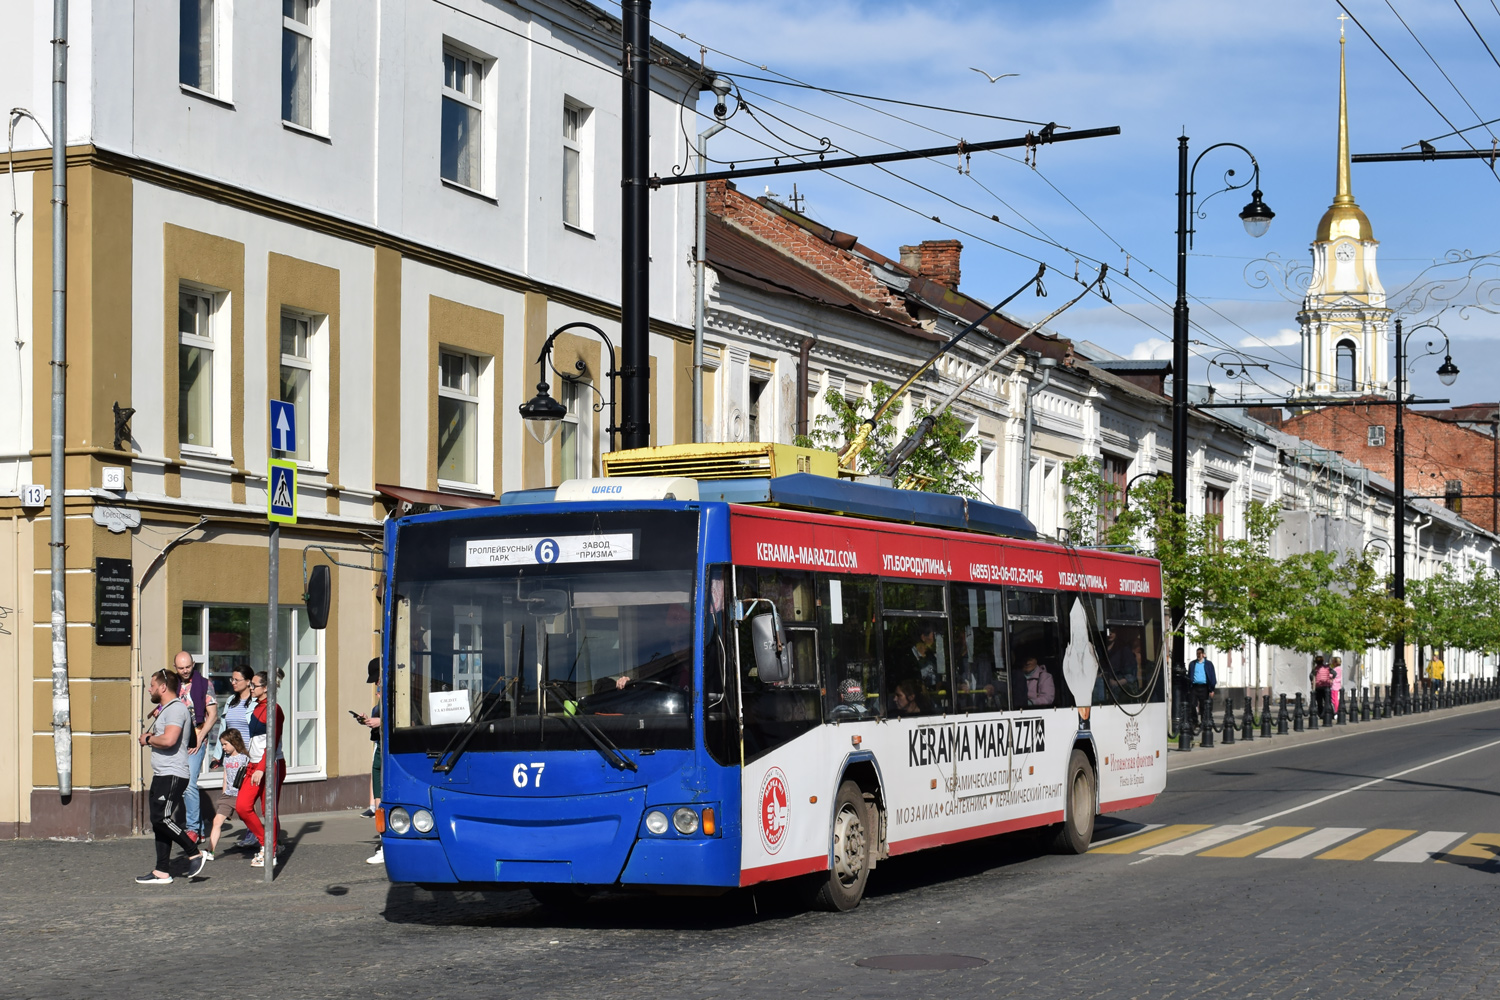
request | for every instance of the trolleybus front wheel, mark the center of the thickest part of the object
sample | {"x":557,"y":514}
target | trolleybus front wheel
{"x":843,"y":885}
{"x":1074,"y":834}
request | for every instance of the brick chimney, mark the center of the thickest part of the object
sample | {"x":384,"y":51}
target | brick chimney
{"x":935,"y":259}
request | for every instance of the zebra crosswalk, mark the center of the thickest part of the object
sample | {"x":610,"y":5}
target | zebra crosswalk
{"x":1330,"y":843}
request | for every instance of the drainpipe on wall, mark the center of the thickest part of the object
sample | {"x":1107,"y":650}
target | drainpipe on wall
{"x":802,"y":355}
{"x":1045,"y":366}
{"x":700,"y":262}
{"x":62,"y":726}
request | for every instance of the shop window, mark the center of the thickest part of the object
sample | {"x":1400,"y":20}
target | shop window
{"x":221,"y":637}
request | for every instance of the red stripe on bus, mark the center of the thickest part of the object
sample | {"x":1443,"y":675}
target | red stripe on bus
{"x":974,"y":832}
{"x":783,"y":869}
{"x":831,"y":543}
{"x":1135,"y":803}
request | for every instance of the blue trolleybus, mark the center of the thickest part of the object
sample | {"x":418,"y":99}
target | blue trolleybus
{"x":681,"y":685}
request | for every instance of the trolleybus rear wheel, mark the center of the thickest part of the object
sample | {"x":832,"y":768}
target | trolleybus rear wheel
{"x":843,"y":886}
{"x":1076,"y":831}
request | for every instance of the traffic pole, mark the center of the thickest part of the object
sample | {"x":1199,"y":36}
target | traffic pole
{"x":268,"y":808}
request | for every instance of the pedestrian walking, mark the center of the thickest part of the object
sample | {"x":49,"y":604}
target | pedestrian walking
{"x":237,"y":717}
{"x":1203,"y":681}
{"x":168,"y":736}
{"x":253,"y":789}
{"x":1338,"y":680}
{"x":1321,"y":676}
{"x":1435,"y":672}
{"x":236,"y":761}
{"x":373,"y":722}
{"x":197,"y":693}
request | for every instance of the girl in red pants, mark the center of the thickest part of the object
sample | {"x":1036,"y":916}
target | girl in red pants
{"x":254,"y":788}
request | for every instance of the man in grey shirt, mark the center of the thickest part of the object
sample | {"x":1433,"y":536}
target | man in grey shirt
{"x":168,"y":739}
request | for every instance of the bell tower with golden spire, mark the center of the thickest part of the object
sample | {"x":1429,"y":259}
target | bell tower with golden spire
{"x":1344,"y":318}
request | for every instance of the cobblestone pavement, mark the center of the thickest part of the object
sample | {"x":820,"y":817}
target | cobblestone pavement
{"x":72,"y":923}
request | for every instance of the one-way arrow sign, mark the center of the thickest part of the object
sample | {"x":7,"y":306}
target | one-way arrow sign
{"x":283,"y":426}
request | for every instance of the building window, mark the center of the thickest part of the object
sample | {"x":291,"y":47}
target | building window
{"x":1345,"y":369}
{"x":462,"y":125}
{"x":577,"y":455}
{"x":577,"y":172}
{"x":1116,"y":472}
{"x":221,"y":637}
{"x":297,"y":377}
{"x":1376,"y":438}
{"x":195,"y":368}
{"x":458,"y":417}
{"x":297,"y":38}
{"x":195,"y":45}
{"x":1213,"y":508}
{"x":1453,"y":495}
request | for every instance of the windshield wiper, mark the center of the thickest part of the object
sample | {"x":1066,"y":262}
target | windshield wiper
{"x":602,"y":743}
{"x":448,"y":759}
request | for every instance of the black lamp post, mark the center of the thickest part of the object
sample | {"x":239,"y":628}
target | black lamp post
{"x":542,"y":414}
{"x":1447,"y":372}
{"x":1257,"y":218}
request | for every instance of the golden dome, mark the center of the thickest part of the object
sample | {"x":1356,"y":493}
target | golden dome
{"x":1347,"y":220}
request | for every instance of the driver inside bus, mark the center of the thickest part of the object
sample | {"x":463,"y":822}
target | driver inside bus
{"x":667,"y":657}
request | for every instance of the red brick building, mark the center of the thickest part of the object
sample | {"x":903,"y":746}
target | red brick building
{"x":1443,"y":459}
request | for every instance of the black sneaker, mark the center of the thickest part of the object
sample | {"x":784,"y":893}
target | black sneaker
{"x":151,"y":878}
{"x":196,"y":865}
{"x":368,"y":812}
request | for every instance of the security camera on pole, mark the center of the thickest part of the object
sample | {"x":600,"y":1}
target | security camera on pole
{"x":281,"y":508}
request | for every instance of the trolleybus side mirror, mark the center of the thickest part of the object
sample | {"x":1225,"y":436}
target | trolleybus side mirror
{"x":319,"y":596}
{"x":771,"y":654}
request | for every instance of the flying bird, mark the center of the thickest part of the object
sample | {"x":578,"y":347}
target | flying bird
{"x":992,"y":79}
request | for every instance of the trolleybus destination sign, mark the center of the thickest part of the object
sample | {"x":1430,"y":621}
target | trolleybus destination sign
{"x":544,"y":551}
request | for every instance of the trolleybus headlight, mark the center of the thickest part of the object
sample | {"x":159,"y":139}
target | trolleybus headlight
{"x":422,"y":821}
{"x":686,"y":820}
{"x":399,"y":820}
{"x":656,"y":822}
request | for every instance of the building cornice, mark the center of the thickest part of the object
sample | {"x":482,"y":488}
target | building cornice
{"x":327,"y":224}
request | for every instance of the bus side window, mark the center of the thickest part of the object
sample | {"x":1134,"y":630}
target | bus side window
{"x":1036,"y":650}
{"x":852,"y":673}
{"x":1129,"y":651}
{"x":777,"y":712}
{"x":979,"y":664}
{"x":721,"y":716}
{"x":917,"y":662}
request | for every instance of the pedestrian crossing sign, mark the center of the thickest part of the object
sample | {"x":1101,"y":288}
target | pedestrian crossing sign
{"x":281,"y":495}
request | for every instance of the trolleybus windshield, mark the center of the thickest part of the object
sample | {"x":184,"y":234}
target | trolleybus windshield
{"x":544,"y":631}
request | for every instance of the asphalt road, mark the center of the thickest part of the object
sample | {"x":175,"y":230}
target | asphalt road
{"x":1358,"y":864}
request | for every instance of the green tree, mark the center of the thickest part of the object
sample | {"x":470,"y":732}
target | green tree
{"x":940,"y":465}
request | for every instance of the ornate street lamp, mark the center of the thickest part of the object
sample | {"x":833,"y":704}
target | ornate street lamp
{"x":1256,"y":216}
{"x":1448,"y":373}
{"x":542,"y":414}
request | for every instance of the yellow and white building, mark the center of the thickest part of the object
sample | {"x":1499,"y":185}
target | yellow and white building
{"x":376,"y":212}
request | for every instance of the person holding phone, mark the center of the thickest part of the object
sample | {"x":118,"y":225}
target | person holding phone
{"x":373,"y":722}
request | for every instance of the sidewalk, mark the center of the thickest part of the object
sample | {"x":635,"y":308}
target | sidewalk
{"x":1177,"y":759}
{"x":316,"y":829}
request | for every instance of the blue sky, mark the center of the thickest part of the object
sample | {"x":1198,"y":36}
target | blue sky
{"x":1264,"y":75}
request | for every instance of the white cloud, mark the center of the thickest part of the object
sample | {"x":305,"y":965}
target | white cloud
{"x":1154,"y":349}
{"x":1284,"y":337}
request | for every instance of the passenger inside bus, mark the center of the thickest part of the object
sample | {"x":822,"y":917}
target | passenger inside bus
{"x":1041,"y":690}
{"x":917,"y":660}
{"x":907,"y":699}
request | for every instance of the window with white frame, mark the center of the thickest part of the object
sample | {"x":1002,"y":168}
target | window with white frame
{"x":298,"y":56}
{"x":297,"y":377}
{"x":577,"y":198}
{"x":576,"y":433}
{"x":458,"y":417}
{"x":463,"y":119}
{"x":196,"y":321}
{"x":197,"y":45}
{"x":221,"y":637}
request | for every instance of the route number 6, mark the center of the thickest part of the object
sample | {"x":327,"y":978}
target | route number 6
{"x":520,"y":775}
